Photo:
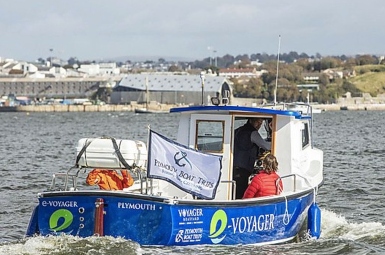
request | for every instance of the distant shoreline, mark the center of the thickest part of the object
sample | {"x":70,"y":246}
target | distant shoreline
{"x":76,"y":108}
{"x":350,"y":107}
{"x":131,"y":108}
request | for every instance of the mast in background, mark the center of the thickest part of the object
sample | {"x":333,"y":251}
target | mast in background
{"x":202,"y":76}
{"x":147,"y":94}
{"x":276,"y":78}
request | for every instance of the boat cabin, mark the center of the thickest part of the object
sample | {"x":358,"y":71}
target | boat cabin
{"x":211,"y":129}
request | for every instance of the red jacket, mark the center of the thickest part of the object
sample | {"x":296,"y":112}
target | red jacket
{"x":263,"y":184}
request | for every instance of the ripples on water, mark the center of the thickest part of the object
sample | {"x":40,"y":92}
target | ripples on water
{"x":36,"y":145}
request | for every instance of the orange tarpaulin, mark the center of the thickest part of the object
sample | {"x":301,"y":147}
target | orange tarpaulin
{"x":108,"y":179}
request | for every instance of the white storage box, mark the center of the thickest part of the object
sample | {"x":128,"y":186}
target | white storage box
{"x":100,"y":153}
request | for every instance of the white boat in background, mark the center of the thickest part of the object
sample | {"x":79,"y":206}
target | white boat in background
{"x":184,"y":190}
{"x":148,"y":110}
{"x":303,"y":108}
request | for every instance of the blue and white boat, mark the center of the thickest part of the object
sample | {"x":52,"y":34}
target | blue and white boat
{"x":184,"y":193}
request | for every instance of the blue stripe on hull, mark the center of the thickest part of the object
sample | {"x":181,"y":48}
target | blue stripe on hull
{"x":158,"y":223}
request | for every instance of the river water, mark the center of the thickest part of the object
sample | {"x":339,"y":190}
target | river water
{"x":33,"y":146}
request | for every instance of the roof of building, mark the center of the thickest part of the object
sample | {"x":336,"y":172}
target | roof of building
{"x":159,"y":82}
{"x":237,"y":70}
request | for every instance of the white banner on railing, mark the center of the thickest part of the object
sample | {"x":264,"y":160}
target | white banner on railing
{"x":193,"y":171}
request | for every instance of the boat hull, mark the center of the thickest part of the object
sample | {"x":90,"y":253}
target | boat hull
{"x":150,"y":220}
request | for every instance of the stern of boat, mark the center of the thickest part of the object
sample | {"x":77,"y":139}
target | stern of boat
{"x":114,"y":214}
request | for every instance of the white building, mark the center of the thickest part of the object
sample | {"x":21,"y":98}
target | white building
{"x":100,"y":69}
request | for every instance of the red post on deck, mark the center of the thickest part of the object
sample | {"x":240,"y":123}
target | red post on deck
{"x":99,"y":217}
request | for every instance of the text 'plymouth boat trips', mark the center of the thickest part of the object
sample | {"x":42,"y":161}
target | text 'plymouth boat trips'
{"x":183,"y":192}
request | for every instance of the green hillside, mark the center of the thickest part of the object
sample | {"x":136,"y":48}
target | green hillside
{"x":370,"y":79}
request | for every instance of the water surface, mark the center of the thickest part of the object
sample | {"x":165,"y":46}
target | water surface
{"x":33,"y":146}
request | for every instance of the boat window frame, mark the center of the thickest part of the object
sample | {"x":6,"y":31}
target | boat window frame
{"x":305,"y":135}
{"x":197,"y":137}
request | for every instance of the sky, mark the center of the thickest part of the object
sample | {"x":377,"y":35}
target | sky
{"x":193,"y":30}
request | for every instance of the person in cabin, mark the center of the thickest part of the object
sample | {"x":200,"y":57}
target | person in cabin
{"x":265,"y":182}
{"x":108,"y":179}
{"x":247,"y":143}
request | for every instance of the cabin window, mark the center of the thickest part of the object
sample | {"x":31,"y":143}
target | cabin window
{"x":305,"y":135}
{"x":209,"y":136}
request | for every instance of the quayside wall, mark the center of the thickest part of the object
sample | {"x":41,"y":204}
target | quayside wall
{"x":131,"y":107}
{"x":87,"y":108}
{"x":73,"y":108}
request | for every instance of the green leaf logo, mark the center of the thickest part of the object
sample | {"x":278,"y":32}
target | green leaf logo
{"x":62,"y":215}
{"x":217,"y":226}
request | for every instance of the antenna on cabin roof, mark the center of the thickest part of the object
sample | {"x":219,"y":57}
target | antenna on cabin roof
{"x":276,"y":78}
{"x":202,"y":76}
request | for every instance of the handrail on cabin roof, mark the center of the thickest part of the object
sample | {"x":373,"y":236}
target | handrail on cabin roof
{"x":234,"y":108}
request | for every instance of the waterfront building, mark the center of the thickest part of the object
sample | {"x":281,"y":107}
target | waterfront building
{"x":181,"y":89}
{"x":68,"y":87}
{"x":38,"y":81}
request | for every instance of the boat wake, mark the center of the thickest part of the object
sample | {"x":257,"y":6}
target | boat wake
{"x":70,"y":245}
{"x":336,"y":226}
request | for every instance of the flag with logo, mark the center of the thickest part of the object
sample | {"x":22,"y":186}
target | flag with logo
{"x":193,"y":171}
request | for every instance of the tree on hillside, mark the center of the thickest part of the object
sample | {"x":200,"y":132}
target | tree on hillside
{"x":286,"y":91}
{"x":174,"y":68}
{"x":262,"y":57}
{"x":329,"y":62}
{"x":324,"y":79}
{"x":349,"y":64}
{"x":255,"y":86}
{"x":304,"y":64}
{"x":227,"y":60}
{"x":350,"y":87}
{"x":243,"y":58}
{"x":268,"y":77}
{"x":366,"y":60}
{"x":290,"y":57}
{"x":295,"y":73}
{"x":304,"y":55}
{"x":323,"y":96}
{"x":251,"y":89}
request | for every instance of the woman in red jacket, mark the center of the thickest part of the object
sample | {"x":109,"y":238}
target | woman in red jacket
{"x":264,"y":183}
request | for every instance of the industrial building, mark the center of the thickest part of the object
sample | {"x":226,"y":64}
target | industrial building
{"x":169,"y":89}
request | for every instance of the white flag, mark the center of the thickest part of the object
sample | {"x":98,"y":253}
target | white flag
{"x":195,"y":172}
